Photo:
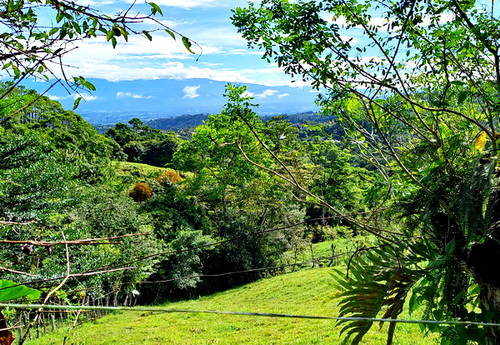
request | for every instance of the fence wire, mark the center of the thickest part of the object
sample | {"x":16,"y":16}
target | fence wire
{"x":244,"y":313}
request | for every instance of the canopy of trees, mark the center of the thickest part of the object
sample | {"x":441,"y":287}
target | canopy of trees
{"x":143,"y":144}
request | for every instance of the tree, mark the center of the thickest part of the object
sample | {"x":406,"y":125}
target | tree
{"x":30,"y":47}
{"x":144,"y":144}
{"x":55,"y":187}
{"x":224,"y":200}
{"x":140,"y":192}
{"x":418,"y":95}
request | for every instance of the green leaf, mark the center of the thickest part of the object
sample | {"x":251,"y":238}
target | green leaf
{"x":413,"y":303}
{"x":450,"y":247}
{"x":110,"y":35}
{"x":10,"y":291}
{"x":147,"y":34}
{"x":86,"y":84}
{"x":155,"y":8}
{"x":462,"y":96}
{"x":76,"y":103}
{"x":187,"y":44}
{"x":124,"y":33}
{"x":171,"y":33}
{"x":77,"y":28}
{"x":59,"y":17}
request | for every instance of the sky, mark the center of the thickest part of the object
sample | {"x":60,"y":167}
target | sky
{"x":223,"y":56}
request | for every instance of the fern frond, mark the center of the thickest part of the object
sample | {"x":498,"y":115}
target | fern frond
{"x":377,"y":279}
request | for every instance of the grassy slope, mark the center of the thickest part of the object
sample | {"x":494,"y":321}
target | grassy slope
{"x":303,"y":292}
{"x":138,"y":170}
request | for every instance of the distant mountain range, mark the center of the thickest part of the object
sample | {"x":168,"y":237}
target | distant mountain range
{"x":120,"y":101}
{"x":186,"y":123}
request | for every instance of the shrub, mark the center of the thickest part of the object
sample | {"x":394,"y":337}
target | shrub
{"x":140,"y":192}
{"x":169,"y":175}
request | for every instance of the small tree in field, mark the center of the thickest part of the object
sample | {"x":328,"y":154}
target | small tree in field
{"x":419,"y":97}
{"x":169,"y":176}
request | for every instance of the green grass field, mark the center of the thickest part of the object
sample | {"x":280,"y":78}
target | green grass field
{"x":305,"y":292}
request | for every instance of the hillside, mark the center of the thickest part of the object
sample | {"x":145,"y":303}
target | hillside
{"x":190,"y":121}
{"x":292,"y":293}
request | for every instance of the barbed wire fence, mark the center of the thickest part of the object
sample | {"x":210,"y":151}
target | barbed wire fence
{"x":89,"y":309}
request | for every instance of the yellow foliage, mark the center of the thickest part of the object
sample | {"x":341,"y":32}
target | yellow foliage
{"x":169,"y":175}
{"x":480,"y":141}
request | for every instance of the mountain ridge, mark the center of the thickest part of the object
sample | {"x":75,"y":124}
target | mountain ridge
{"x":120,"y":101}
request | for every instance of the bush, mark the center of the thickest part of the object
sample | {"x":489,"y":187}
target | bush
{"x":140,"y":192}
{"x":169,"y":175}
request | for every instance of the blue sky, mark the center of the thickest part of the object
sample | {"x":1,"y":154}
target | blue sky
{"x":224,"y":55}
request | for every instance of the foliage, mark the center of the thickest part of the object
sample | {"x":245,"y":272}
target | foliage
{"x":66,"y":129}
{"x":56,"y":185}
{"x":10,"y":291}
{"x":103,"y":213}
{"x":418,"y":97}
{"x":339,"y":181}
{"x":169,"y":176}
{"x":140,"y":192}
{"x":141,"y":143}
{"x":225,"y":199}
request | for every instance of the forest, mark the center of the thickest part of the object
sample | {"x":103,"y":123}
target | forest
{"x":198,"y":207}
{"x":405,"y":170}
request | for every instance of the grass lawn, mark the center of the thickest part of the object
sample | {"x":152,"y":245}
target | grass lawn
{"x":304,"y":292}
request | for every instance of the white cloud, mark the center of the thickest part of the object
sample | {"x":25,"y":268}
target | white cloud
{"x":85,"y":97}
{"x":131,"y":95}
{"x":191,"y":92}
{"x":164,"y":58}
{"x":142,"y":59}
{"x":264,"y":94}
{"x":188,"y":4}
{"x":267,"y":93}
{"x":168,"y":70}
{"x":209,"y":64}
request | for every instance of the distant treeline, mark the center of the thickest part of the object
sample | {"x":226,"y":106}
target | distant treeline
{"x":187,"y":123}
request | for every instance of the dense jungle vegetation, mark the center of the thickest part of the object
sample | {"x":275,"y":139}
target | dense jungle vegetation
{"x":411,"y":162}
{"x":198,"y":208}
